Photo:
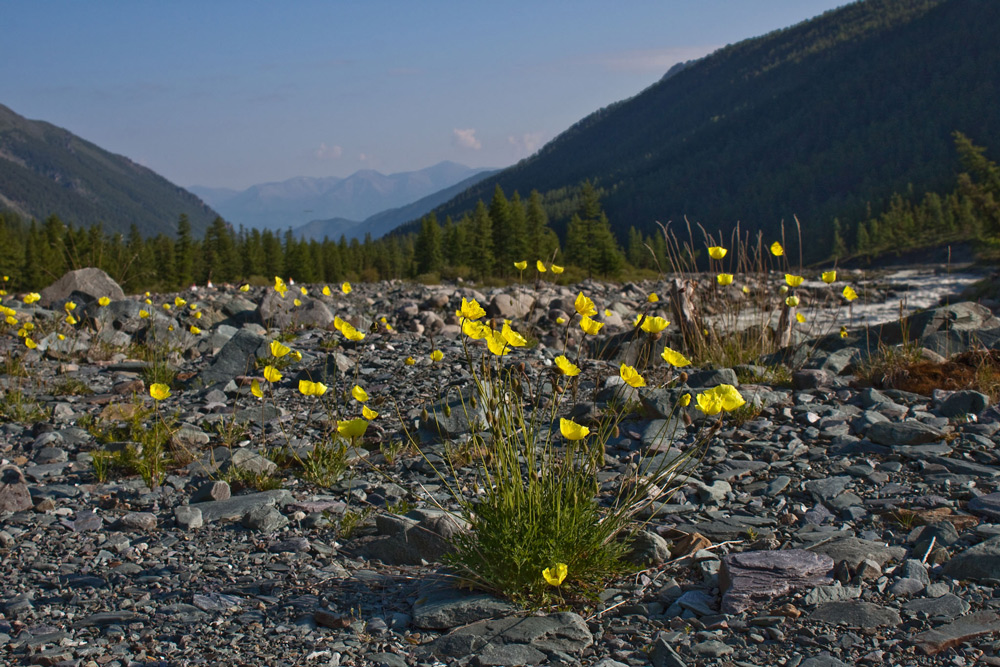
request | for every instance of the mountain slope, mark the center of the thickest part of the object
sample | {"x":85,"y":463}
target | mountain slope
{"x":817,"y":120}
{"x":385,"y":221}
{"x":298,"y":200}
{"x":47,"y":170}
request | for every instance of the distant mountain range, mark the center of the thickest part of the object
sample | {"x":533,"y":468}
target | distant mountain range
{"x":47,"y":170}
{"x":297,"y":201}
{"x":822,"y":120}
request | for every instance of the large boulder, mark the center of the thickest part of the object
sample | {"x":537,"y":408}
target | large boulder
{"x":90,"y":283}
{"x":281,"y":312}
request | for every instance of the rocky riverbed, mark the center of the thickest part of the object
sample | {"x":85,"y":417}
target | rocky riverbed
{"x":834,"y":524}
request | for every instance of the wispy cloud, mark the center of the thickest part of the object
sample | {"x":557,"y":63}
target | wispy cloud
{"x":526,"y":143}
{"x":467,"y":139}
{"x":325,"y":152}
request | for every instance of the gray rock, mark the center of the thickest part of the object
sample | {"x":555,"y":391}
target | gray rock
{"x":823,"y":661}
{"x":90,"y":282}
{"x":910,"y":432}
{"x":648,"y":548}
{"x":964,"y":402}
{"x":441,"y":607}
{"x":664,"y":654}
{"x":941,"y":638}
{"x":981,"y":562}
{"x":712,"y":648}
{"x":811,"y":379}
{"x":752,"y":576}
{"x":906,"y":587}
{"x":565,"y":631}
{"x":264,"y":519}
{"x":855,"y":614}
{"x":237,"y":357}
{"x":138,"y":521}
{"x":948,"y":607}
{"x":854,"y":550}
{"x":212,"y":490}
{"x":836,"y":593}
{"x":188,"y":517}
{"x":513,"y":655}
{"x":987,"y":506}
{"x":281,"y":312}
{"x":712,"y":378}
{"x":237,"y":506}
{"x":506,"y":306}
{"x":249,"y":461}
{"x":14,"y":495}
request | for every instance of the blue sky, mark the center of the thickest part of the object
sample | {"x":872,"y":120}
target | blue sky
{"x":229,"y":94}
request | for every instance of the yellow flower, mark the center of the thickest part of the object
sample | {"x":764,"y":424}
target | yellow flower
{"x":179,"y":302}
{"x":585,"y":305}
{"x":723,"y":397}
{"x":359,"y":394}
{"x":103,"y":301}
{"x":607,"y":313}
{"x":278,"y":349}
{"x":31,"y":345}
{"x":70,"y":305}
{"x":521,"y":266}
{"x":303,"y":291}
{"x":513,"y":338}
{"x":800,"y":318}
{"x":717,"y":252}
{"x":256,"y":390}
{"x":684,"y":400}
{"x":746,"y":290}
{"x":410,"y":361}
{"x":590,"y":326}
{"x":32,"y":297}
{"x":197,"y":315}
{"x":11,"y":320}
{"x":166,"y":306}
{"x":346,"y":288}
{"x":326,"y":290}
{"x":556,"y":574}
{"x":245,"y":287}
{"x":849,"y":293}
{"x":271,"y":374}
{"x":572,"y":431}
{"x":354,"y":428}
{"x":29,"y":326}
{"x":654,"y":324}
{"x":783,"y":289}
{"x":471,"y":310}
{"x":368,"y":413}
{"x":474,"y":330}
{"x":61,"y":337}
{"x":631,"y":376}
{"x":829,"y":277}
{"x":653,"y":297}
{"x":843,"y":332}
{"x":308,"y":388}
{"x":709,"y":403}
{"x":295,"y":355}
{"x":566,"y":367}
{"x":437,"y":355}
{"x":193,"y":306}
{"x":540,"y":266}
{"x":195,"y":330}
{"x":557,"y":269}
{"x":280,"y":287}
{"x":674,"y":358}
{"x":296,"y":302}
{"x":148,"y":302}
{"x":351,"y":333}
{"x":338,"y":324}
{"x":71,"y":320}
{"x":496,"y":342}
{"x":793,"y":281}
{"x":560,"y":320}
{"x":792,"y":301}
{"x":159,"y":391}
{"x":777,"y":250}
{"x":725,"y":278}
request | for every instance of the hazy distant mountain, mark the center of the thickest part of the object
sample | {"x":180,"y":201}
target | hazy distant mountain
{"x":298,"y":200}
{"x":385,"y":221}
{"x":819,"y":120}
{"x":47,"y":170}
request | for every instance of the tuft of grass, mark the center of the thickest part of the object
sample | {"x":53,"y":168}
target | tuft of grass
{"x":72,"y":387}
{"x":352,"y":521}
{"x":16,"y":406}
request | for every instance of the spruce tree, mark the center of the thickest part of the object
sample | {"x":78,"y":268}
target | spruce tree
{"x":184,"y":252}
{"x":481,"y":254}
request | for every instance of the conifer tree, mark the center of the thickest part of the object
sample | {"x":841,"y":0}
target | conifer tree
{"x":427,"y":249}
{"x":481,"y":254}
{"x":184,"y":249}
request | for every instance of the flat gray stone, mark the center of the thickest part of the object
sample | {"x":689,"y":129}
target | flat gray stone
{"x":753,"y":576}
{"x":947,"y":607}
{"x":855,"y":614}
{"x":910,"y":432}
{"x":237,"y":506}
{"x":981,"y":562}
{"x":941,"y":638}
{"x":444,"y":607}
{"x":564,"y":631}
{"x":987,"y":506}
{"x":854,"y":550}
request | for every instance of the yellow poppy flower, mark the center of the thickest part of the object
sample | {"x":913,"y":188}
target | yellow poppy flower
{"x":585,"y":305}
{"x":359,"y":394}
{"x":674,"y":358}
{"x":471,"y":310}
{"x":849,"y":293}
{"x":166,"y":306}
{"x":30,"y":344}
{"x":148,"y":302}
{"x":725,"y":278}
{"x":197,"y":315}
{"x":792,"y":301}
{"x":709,"y":403}
{"x":684,"y":400}
{"x":521,"y":266}
{"x":783,"y":290}
{"x":179,"y":302}
{"x":653,"y":297}
{"x":70,"y":305}
{"x":540,"y":266}
{"x":193,"y":306}
{"x":308,"y":388}
{"x":71,"y":320}
{"x":346,"y":288}
{"x":271,"y":374}
{"x":556,"y":574}
{"x":159,"y":391}
{"x":590,"y":326}
{"x":295,"y":355}
{"x":566,"y":367}
{"x":354,"y":428}
{"x":296,"y":302}
{"x":280,"y":287}
{"x":829,"y":277}
{"x":654,"y":325}
{"x":513,"y":338}
{"x":195,"y":330}
{"x":631,"y":376}
{"x":103,"y":301}
{"x":746,"y":290}
{"x":11,"y":320}
{"x":61,"y":337}
{"x":723,"y":397}
{"x":777,"y":250}
{"x":437,"y":355}
{"x":557,"y":269}
{"x":351,"y":333}
{"x":572,"y":431}
{"x":410,"y":361}
{"x":256,"y":390}
{"x":496,"y":343}
{"x":303,"y":291}
{"x":793,"y":281}
{"x":143,"y":314}
{"x":278,"y":349}
{"x":560,"y":320}
{"x":474,"y":330}
{"x":368,"y":413}
{"x":32,"y":297}
{"x":843,"y":332}
{"x":245,"y":287}
{"x":326,"y":290}
{"x":717,"y":252}
{"x":800,"y":318}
